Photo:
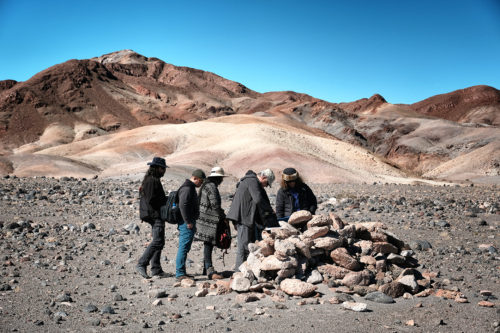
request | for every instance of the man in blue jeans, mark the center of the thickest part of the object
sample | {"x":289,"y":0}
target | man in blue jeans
{"x":190,"y":211}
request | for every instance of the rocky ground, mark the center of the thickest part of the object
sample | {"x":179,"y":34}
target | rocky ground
{"x":69,"y":246}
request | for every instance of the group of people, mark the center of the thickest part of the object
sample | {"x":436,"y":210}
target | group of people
{"x":201,"y":213}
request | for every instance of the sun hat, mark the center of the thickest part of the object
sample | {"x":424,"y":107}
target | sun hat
{"x":158,"y":161}
{"x":269,"y":174}
{"x":199,"y":174}
{"x":217,"y":172}
{"x":289,"y":174}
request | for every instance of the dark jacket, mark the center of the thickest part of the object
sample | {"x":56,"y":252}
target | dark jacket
{"x":152,"y":197}
{"x":211,"y":212}
{"x":284,"y":201}
{"x":251,"y":204}
{"x":188,"y":202}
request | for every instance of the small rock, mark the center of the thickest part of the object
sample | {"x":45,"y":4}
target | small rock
{"x":240,"y":284}
{"x":355,"y":306}
{"x":379,"y":297}
{"x":157,"y":293}
{"x":188,"y":283}
{"x":108,"y":310}
{"x":296,"y":287}
{"x":90,"y":308}
{"x":201,"y":293}
{"x":486,"y":304}
{"x":157,"y":302}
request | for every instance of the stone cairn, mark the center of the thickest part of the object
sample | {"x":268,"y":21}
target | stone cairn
{"x":310,"y":249}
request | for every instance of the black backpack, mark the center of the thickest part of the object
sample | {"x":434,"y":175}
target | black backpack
{"x":170,"y":212}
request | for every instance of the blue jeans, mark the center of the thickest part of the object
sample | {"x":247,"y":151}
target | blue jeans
{"x":185,"y":240}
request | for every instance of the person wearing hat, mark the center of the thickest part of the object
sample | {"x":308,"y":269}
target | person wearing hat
{"x":211,"y":213}
{"x":189,"y":208}
{"x":294,"y":195}
{"x":251,"y":210}
{"x":152,"y":197}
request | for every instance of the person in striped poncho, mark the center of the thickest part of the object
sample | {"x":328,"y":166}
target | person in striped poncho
{"x":211,"y":214}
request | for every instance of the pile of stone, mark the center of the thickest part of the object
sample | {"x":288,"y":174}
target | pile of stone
{"x":312,"y":249}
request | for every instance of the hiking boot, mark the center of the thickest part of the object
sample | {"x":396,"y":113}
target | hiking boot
{"x":142,"y":271}
{"x":162,"y":275}
{"x":212,"y":274}
{"x":183,"y":277}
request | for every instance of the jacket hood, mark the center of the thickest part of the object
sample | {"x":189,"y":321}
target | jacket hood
{"x":249,"y":174}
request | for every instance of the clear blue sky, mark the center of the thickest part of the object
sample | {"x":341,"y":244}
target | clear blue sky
{"x":339,"y":51}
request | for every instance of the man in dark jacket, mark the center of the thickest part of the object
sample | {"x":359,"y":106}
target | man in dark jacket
{"x":190,"y":211}
{"x":152,"y":197}
{"x":251,"y":210}
{"x":294,"y":195}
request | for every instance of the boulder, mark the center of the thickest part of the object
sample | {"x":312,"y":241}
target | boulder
{"x":266,"y":247}
{"x":362,"y":278}
{"x":328,"y":243}
{"x":342,"y":258}
{"x":315,"y":232}
{"x":296,"y":287}
{"x":315,"y":277}
{"x":333,"y":271}
{"x":396,"y":259}
{"x":284,"y":247}
{"x":409,"y":282}
{"x":349,"y":231}
{"x":319,"y":221}
{"x":302,"y":246}
{"x":379,"y":297}
{"x":366,"y":246}
{"x":240,"y":284}
{"x":337,"y":222}
{"x":393,"y":289}
{"x":384,"y":248}
{"x":270,"y":263}
{"x":368,"y":260}
{"x":300,"y":217}
{"x":378,"y":236}
{"x":355,"y":306}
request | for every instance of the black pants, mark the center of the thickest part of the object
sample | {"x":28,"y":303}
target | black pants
{"x":153,"y":251}
{"x":246,"y":235}
{"x":207,"y":255}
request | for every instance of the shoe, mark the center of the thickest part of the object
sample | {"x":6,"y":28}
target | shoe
{"x":183,"y":277}
{"x":142,"y":271}
{"x":161,"y":275}
{"x":212,"y":274}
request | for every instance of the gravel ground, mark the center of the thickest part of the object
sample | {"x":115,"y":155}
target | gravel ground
{"x":68,"y":263}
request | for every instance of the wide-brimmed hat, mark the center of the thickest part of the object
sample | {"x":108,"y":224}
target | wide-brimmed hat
{"x":269,"y":174}
{"x":199,"y":174}
{"x":290,"y":174}
{"x":158,"y":161}
{"x":217,"y":172}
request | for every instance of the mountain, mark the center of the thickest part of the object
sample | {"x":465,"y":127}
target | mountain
{"x":71,"y":104}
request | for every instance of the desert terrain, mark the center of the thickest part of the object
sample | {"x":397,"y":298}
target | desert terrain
{"x":408,"y":201}
{"x":69,"y":247}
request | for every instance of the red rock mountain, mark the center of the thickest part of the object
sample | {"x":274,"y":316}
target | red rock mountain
{"x":124,"y":90}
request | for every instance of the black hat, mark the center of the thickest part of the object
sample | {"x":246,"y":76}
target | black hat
{"x":290,"y":174}
{"x":199,"y":173}
{"x":158,"y":161}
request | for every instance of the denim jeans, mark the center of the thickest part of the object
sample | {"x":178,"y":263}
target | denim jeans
{"x":153,"y":251}
{"x":185,"y":240}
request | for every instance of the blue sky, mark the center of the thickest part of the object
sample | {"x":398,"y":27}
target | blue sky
{"x":339,"y":51}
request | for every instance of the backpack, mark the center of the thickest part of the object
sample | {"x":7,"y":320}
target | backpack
{"x":223,"y":235}
{"x":170,"y":212}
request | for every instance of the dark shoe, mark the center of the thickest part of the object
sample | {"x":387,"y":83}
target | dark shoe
{"x":183,"y":277}
{"x":142,"y":271}
{"x":161,"y":275}
{"x":212,"y":274}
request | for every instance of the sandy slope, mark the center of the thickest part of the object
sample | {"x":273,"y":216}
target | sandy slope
{"x":237,"y":143}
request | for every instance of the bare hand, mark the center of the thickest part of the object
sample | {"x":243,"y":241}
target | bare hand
{"x":190,"y":226}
